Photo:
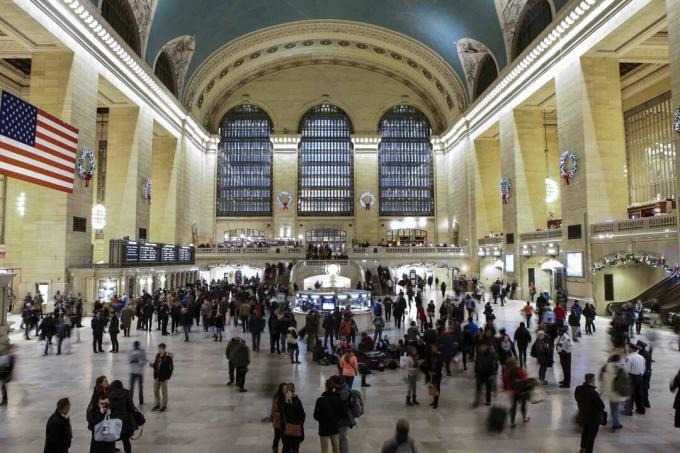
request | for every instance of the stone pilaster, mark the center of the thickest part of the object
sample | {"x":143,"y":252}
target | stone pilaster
{"x":442,"y":223}
{"x":206,"y":232}
{"x":590,"y":124}
{"x":42,"y":243}
{"x":673,"y":25}
{"x":165,"y":170}
{"x":366,"y":222}
{"x":285,"y":180}
{"x":127,"y":167}
{"x":487,"y":172}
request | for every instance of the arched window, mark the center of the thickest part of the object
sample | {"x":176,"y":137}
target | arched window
{"x":486,"y":74}
{"x":244,"y":234}
{"x":325,"y":163}
{"x":537,"y":16}
{"x":164,"y":72}
{"x":120,"y":16}
{"x":332,"y":237}
{"x":244,"y":163}
{"x":405,"y":159}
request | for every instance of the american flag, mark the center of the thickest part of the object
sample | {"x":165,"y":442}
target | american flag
{"x":35,"y":146}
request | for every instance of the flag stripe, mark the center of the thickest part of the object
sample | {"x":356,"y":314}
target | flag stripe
{"x":26,"y":156}
{"x":27,"y":166}
{"x":48,"y":153}
{"x":32,"y":177}
{"x":46,"y":127}
{"x":41,"y":147}
{"x":53,"y":140}
{"x":58,"y":121}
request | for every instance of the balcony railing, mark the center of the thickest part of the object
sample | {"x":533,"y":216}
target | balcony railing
{"x":553,"y":233}
{"x":353,"y":252}
{"x":495,"y":240}
{"x":657,"y":223}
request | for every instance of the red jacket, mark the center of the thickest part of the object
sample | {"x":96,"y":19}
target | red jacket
{"x":509,"y":384}
{"x":560,"y":313}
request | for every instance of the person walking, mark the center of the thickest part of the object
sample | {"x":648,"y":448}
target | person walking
{"x":240,"y":359}
{"x":292,"y":421}
{"x":163,"y":367}
{"x":528,"y":312}
{"x":256,"y":327}
{"x":347,"y":421}
{"x":379,"y":326}
{"x":126,"y":317}
{"x":293,"y":347}
{"x":6,"y":369}
{"x":137,"y":360}
{"x":646,"y":353}
{"x":443,"y":289}
{"x":563,"y":346}
{"x":58,"y":433}
{"x":328,"y":411}
{"x":614,"y":383}
{"x":47,"y":330}
{"x":349,"y":366}
{"x":516,"y":383}
{"x":542,"y":352}
{"x":228,"y":352}
{"x":410,"y":364}
{"x":522,"y":339}
{"x":401,"y":442}
{"x":674,"y":387}
{"x":486,"y":367}
{"x":114,"y":329}
{"x":276,"y":414}
{"x":187,"y":320}
{"x":435,"y":365}
{"x":123,"y":409}
{"x":328,"y":325}
{"x":312,"y":321}
{"x":635,"y":367}
{"x":590,"y":409}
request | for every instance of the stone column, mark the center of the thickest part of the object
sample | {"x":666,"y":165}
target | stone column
{"x":164,"y":174}
{"x":285,"y":179}
{"x":42,"y":241}
{"x":366,"y":174}
{"x":590,"y":124}
{"x":206,"y":225}
{"x":487,"y":173}
{"x":442,"y":226}
{"x":128,"y":166}
{"x":673,"y":26}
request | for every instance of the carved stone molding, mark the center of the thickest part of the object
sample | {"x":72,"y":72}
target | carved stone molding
{"x":144,"y":11}
{"x":180,"y":51}
{"x":376,"y":47}
{"x":470,"y":53}
{"x":509,"y":13}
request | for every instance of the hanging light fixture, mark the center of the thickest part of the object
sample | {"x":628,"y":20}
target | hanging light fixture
{"x":552,"y":190}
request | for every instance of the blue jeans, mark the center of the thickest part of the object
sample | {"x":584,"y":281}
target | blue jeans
{"x":137,"y":378}
{"x":614,"y":412}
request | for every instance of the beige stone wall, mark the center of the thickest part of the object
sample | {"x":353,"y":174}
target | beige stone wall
{"x":42,"y":243}
{"x":165,"y":174}
{"x":487,"y":173}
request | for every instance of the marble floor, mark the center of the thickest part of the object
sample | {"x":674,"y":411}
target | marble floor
{"x":205,"y":416}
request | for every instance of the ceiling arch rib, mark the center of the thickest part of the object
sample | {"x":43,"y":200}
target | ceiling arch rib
{"x":333,"y":42}
{"x":471,"y":52}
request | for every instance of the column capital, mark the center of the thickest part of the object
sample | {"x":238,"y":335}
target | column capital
{"x":365,"y":143}
{"x":285,"y":143}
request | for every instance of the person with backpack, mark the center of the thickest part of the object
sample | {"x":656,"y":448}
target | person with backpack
{"x":328,"y":411}
{"x":614,"y":386}
{"x":486,"y":367}
{"x":379,"y":325}
{"x":163,"y":367}
{"x":401,"y":442}
{"x":354,"y":408}
{"x":516,"y":383}
{"x":542,"y":352}
{"x":574,"y":322}
{"x":123,"y":408}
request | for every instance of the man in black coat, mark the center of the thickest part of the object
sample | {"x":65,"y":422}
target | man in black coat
{"x":590,"y":409}
{"x":328,"y":411}
{"x":58,"y":433}
{"x":98,"y":324}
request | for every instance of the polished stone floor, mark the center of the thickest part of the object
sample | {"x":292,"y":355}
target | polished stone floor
{"x":205,"y":416}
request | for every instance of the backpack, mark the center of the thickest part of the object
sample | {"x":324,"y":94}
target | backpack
{"x":621,"y":382}
{"x":356,"y":404}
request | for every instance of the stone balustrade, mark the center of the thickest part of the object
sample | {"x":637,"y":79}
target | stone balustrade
{"x":662,"y":223}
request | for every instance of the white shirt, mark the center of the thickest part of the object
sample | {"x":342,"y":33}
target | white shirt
{"x":563,"y":344}
{"x":635,"y":364}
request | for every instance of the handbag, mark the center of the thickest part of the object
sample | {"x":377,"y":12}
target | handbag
{"x":603,"y":421}
{"x":139,"y":417}
{"x":432,"y":390}
{"x":536,"y":394}
{"x":290,"y":429}
{"x":108,"y":430}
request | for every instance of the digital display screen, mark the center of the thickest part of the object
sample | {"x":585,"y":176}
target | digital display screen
{"x":510,"y":264}
{"x":131,"y":253}
{"x":574,"y":264}
{"x":148,"y":253}
{"x":328,"y":306}
{"x":184,"y":255}
{"x":168,"y":253}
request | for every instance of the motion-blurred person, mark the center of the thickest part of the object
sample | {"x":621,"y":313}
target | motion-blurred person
{"x":401,"y":442}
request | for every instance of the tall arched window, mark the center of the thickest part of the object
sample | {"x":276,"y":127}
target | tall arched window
{"x":244,"y":163}
{"x":120,"y":16}
{"x":486,"y":74}
{"x":537,"y":16}
{"x":164,"y":72}
{"x":405,"y":159}
{"x":325,"y":163}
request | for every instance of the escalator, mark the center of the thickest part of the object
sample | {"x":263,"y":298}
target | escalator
{"x":665,"y":296}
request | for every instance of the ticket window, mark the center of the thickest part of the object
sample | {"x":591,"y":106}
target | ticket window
{"x":106,"y":290}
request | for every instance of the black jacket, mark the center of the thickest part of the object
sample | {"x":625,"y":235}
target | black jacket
{"x":123,"y":408}
{"x":163,"y":367}
{"x":522,"y":336}
{"x":328,"y":411}
{"x":58,"y":434}
{"x":486,"y":364}
{"x":590,"y":405}
{"x":292,"y":413}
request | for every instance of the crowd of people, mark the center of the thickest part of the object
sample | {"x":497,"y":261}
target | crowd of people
{"x":431,"y":344}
